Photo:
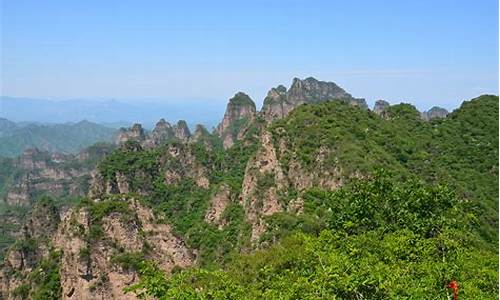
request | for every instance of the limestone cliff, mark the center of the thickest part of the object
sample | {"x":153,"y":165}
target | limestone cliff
{"x":135,"y":133}
{"x":239,"y":112}
{"x":93,"y":255}
{"x":279,"y":102}
{"x":181,"y":131}
{"x":162,"y":133}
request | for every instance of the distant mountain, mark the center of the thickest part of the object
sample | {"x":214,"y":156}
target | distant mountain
{"x":109,"y":111}
{"x":65,"y":138}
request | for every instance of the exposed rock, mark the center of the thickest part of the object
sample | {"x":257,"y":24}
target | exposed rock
{"x":240,"y":111}
{"x":218,"y":204}
{"x":40,"y":172}
{"x":135,"y":133}
{"x":279,"y":102}
{"x":97,"y":277}
{"x":122,"y":183}
{"x":435,"y":113}
{"x":259,"y":195}
{"x":31,"y":159}
{"x":380,"y":107}
{"x":276,"y":104}
{"x":181,"y":131}
{"x":162,"y":133}
{"x":87,"y":270}
{"x":311,"y":90}
{"x":201,"y":134}
{"x":42,"y":221}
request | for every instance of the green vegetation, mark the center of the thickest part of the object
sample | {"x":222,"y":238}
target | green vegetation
{"x":241,"y":99}
{"x":65,"y":138}
{"x":46,"y":279}
{"x":461,"y":150}
{"x":43,"y":282}
{"x":373,"y":240}
{"x":418,"y":207}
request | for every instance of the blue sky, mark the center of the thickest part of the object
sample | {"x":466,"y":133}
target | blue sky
{"x":424,"y":52}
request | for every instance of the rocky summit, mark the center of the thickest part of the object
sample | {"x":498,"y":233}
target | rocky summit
{"x":380,"y":107}
{"x":273,"y":204}
{"x":239,"y":112}
{"x":279,"y":102}
{"x":434,"y":113}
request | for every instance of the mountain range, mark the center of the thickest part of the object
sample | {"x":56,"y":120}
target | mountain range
{"x":315,"y":196}
{"x":110,"y":112}
{"x":62,"y":138}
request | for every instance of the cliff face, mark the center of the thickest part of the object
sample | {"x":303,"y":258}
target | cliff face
{"x":94,"y":255}
{"x":162,"y":133}
{"x":276,"y":104}
{"x":239,"y":113}
{"x":181,"y":131}
{"x":135,"y":133}
{"x":279,"y":102}
{"x":54,"y":174}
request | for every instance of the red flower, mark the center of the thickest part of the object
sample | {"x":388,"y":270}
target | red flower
{"x":454,"y":286}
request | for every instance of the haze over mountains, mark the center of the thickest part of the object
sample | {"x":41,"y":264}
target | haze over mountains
{"x":114,"y":113}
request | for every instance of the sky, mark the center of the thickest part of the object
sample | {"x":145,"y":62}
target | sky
{"x":423,"y":52}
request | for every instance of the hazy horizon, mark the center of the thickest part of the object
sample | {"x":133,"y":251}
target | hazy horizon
{"x":426,"y":53}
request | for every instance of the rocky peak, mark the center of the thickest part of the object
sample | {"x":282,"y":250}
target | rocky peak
{"x":311,"y":90}
{"x":435,"y":112}
{"x":239,"y":111}
{"x":275,"y":104}
{"x":279,"y":102}
{"x":199,"y":132}
{"x":134,"y":133}
{"x":380,"y":107}
{"x":162,"y":132}
{"x":181,"y":130}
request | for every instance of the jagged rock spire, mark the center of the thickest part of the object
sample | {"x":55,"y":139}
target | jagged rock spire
{"x":134,"y":133}
{"x":181,"y":131}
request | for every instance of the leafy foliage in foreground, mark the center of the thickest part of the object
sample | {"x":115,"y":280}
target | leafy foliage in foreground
{"x":377,"y":240}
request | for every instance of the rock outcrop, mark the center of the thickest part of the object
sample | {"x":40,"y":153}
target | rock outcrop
{"x":239,"y":112}
{"x":39,"y":172}
{"x":134,"y":133}
{"x":162,"y":133}
{"x":218,"y":204}
{"x":181,"y":131}
{"x":89,"y":265}
{"x":276,"y":104}
{"x":262,"y":181}
{"x":380,"y":107}
{"x":279,"y":102}
{"x":435,"y":112}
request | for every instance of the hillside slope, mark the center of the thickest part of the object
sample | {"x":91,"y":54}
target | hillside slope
{"x":63,"y":138}
{"x":329,"y":200}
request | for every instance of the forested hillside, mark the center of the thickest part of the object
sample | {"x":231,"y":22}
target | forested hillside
{"x":63,"y":138}
{"x":313,"y":197}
